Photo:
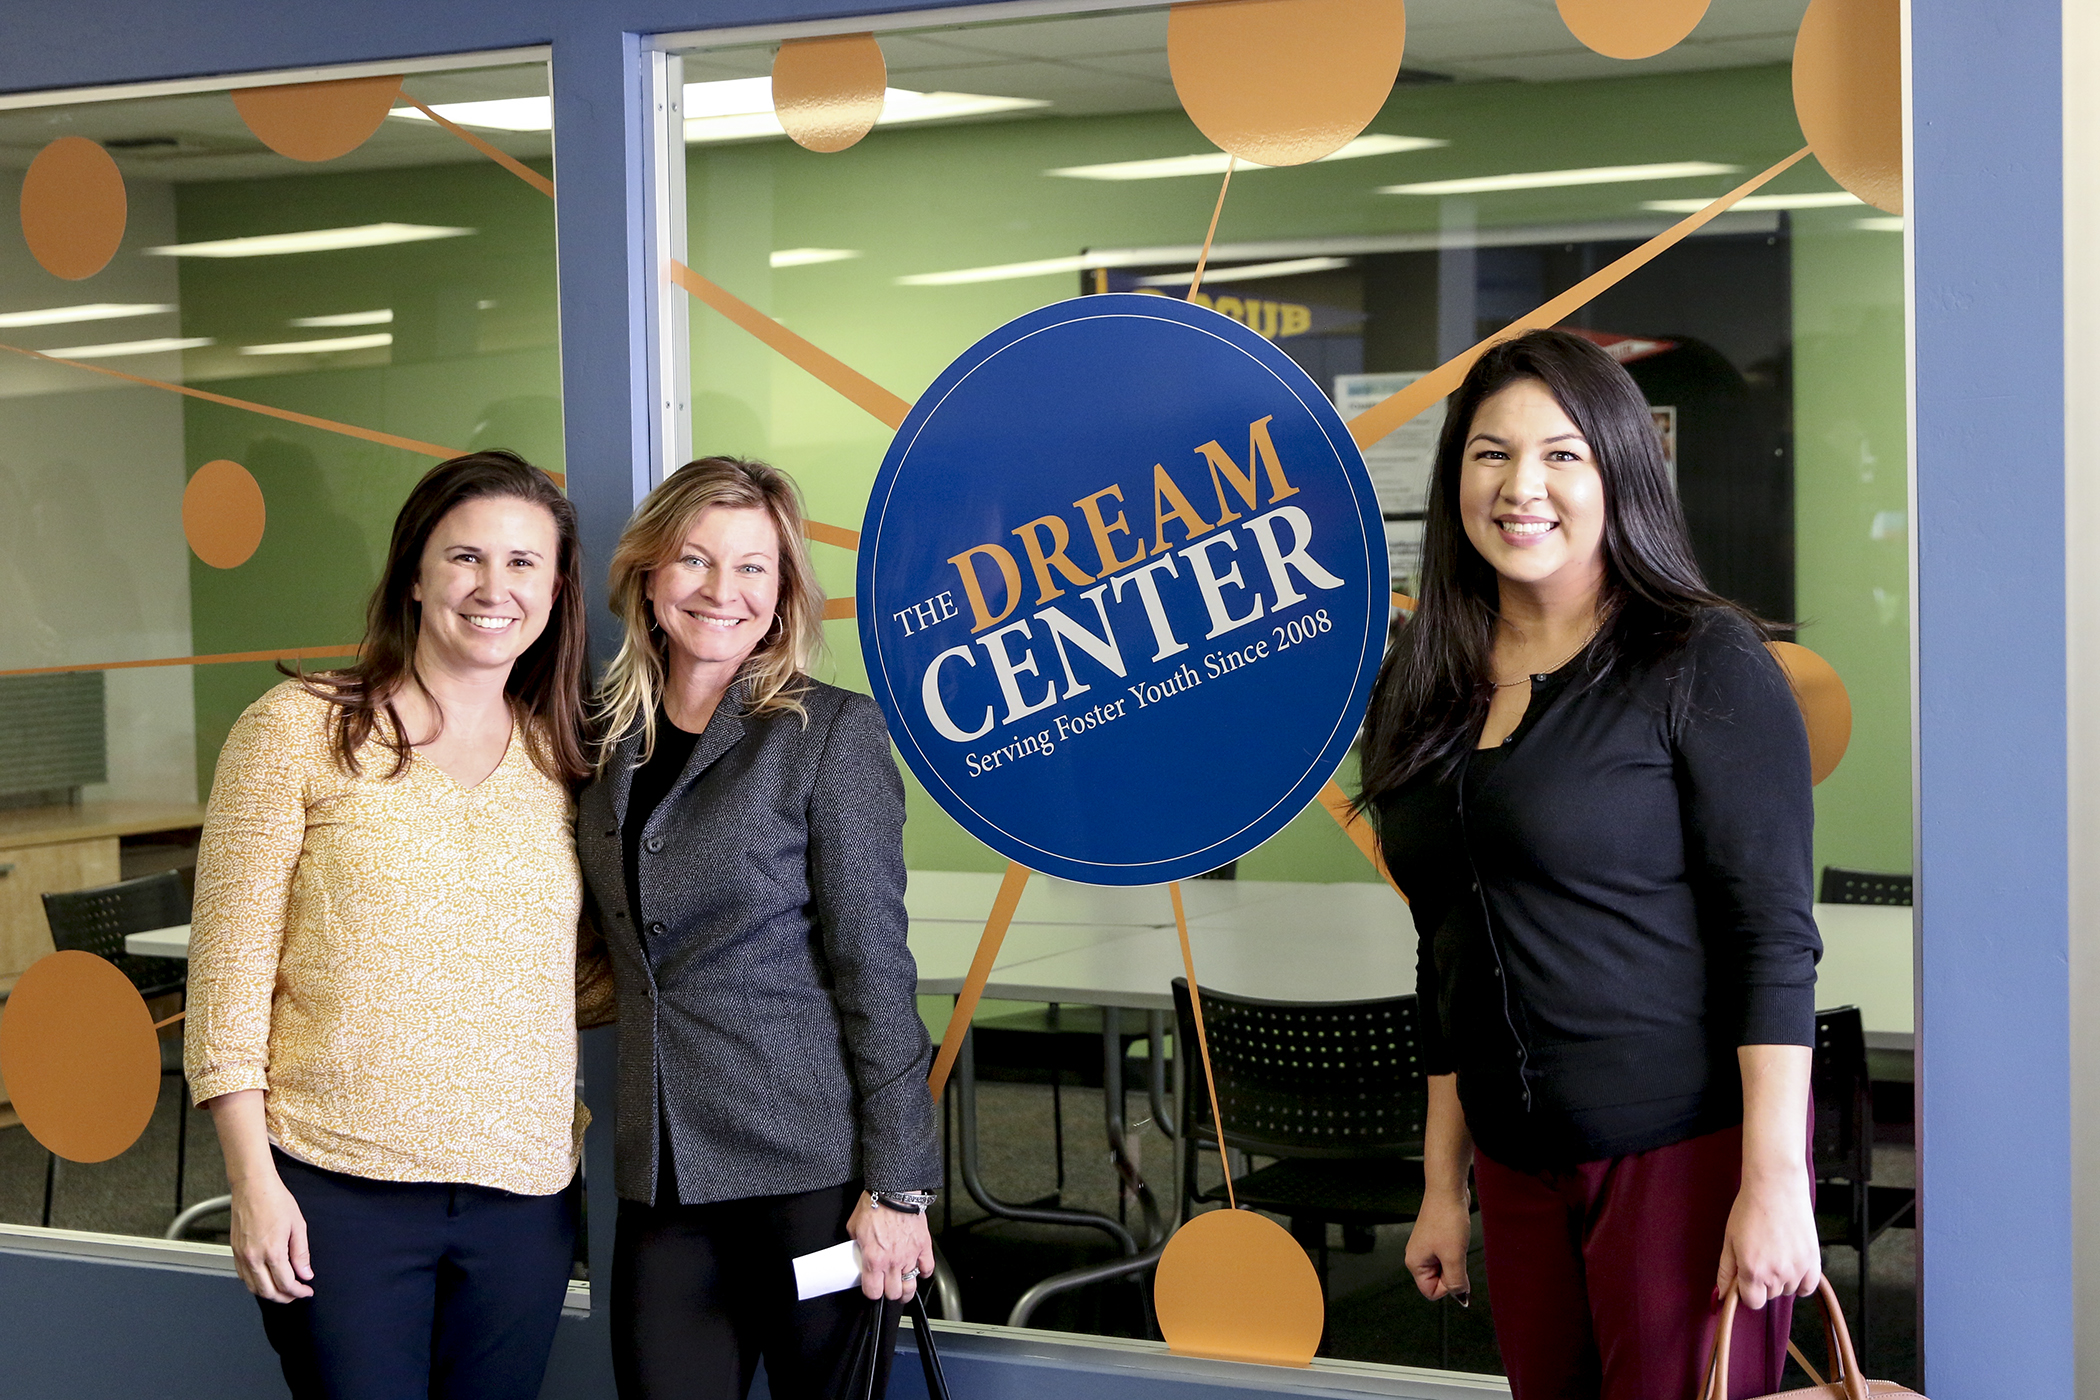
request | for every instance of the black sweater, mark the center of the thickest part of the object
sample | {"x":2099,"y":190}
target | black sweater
{"x":1614,"y":900}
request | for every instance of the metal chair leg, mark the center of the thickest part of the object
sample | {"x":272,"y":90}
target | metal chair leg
{"x":182,"y":1137}
{"x":50,"y":1180}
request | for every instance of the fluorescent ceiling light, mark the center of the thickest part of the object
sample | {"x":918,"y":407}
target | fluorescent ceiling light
{"x":1885,"y":223}
{"x":1558,"y":179}
{"x":322,"y":347}
{"x":495,"y":114}
{"x":313,"y":240}
{"x":1248,"y":273}
{"x":91,"y":311}
{"x":347,"y":318}
{"x":1040,"y":267}
{"x":740,"y":108}
{"x":1001,"y":272}
{"x":805,"y":257}
{"x":1824,"y":199}
{"x":127,"y":347}
{"x":1214,"y":162}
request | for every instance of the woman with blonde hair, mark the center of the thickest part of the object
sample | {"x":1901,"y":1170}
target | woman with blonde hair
{"x":743,"y":850}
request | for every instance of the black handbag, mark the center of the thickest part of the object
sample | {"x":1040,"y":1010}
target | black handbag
{"x":874,"y":1345}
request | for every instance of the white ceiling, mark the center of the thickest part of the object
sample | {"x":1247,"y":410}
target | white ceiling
{"x":1117,"y":62}
{"x":1082,"y":65}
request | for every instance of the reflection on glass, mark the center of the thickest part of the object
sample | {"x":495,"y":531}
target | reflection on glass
{"x":1506,"y":167}
{"x":406,"y":288}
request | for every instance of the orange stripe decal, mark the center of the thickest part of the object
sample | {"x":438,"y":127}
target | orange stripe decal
{"x":831,"y":534}
{"x":1008,"y":900}
{"x":837,"y":609}
{"x":217,"y":659}
{"x":511,"y":163}
{"x":1356,"y":829}
{"x":1382,"y":418}
{"x":425,"y":449}
{"x":884,"y":406}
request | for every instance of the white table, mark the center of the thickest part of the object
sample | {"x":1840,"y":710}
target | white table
{"x":966,"y":897}
{"x":1286,"y":942}
{"x":1867,"y":963}
{"x":160,"y":942}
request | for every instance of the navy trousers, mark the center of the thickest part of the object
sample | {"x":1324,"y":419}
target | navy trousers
{"x":422,"y":1290}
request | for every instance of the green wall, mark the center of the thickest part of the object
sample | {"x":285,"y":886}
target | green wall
{"x":969,"y":195}
{"x":459,"y":374}
{"x":1851,"y":498}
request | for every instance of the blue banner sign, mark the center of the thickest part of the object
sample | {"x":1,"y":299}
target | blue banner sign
{"x":1123,"y":589}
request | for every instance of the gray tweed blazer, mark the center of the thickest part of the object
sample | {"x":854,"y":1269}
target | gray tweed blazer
{"x":765,"y":990}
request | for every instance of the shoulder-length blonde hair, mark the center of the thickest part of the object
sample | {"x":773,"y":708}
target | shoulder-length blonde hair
{"x":777,"y":672}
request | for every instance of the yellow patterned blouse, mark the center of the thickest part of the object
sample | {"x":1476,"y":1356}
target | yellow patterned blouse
{"x":393,"y":960}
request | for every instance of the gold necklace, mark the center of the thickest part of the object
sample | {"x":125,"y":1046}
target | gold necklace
{"x":1594,"y":630}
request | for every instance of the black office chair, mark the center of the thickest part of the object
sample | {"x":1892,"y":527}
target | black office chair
{"x":1841,"y":886}
{"x":1333,"y":1091}
{"x":97,"y":921}
{"x":1850,"y":1209}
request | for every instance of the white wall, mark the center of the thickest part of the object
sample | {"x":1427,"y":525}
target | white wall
{"x":93,"y":565}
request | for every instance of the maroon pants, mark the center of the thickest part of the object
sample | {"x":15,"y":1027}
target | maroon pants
{"x":1602,"y":1276}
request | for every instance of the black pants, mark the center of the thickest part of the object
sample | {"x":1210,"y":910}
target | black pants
{"x":422,"y":1289}
{"x":700,"y":1293}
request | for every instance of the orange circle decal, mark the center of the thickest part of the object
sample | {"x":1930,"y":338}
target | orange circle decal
{"x":73,"y":208}
{"x":1826,"y":708}
{"x":1282,"y":82}
{"x":1631,"y":28}
{"x":1234,"y":1285}
{"x":318,"y":121}
{"x":1848,"y":94}
{"x":827,"y":92}
{"x":222,"y":514}
{"x":79,"y":1055}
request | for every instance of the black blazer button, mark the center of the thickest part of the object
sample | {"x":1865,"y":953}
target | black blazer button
{"x":653,"y":845}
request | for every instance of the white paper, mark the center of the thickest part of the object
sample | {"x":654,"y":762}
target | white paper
{"x":830,"y":1270}
{"x":1400,"y":463}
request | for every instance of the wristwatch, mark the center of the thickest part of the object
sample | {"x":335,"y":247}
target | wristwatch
{"x":909,"y":1202}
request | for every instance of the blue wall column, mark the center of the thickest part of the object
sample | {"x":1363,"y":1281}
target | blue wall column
{"x":1993,"y":989}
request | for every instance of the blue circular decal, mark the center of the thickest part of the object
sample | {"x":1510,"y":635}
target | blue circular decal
{"x":1123,"y":589}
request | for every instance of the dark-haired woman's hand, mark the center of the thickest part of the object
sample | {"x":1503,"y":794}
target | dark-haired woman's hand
{"x":1437,"y":1245}
{"x":1771,"y":1250}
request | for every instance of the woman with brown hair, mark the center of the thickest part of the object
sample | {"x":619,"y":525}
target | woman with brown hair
{"x":743,"y":846}
{"x":383,"y":966}
{"x":1592,"y":781}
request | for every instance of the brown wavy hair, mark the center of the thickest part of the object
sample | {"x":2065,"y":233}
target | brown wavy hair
{"x":546,"y":688}
{"x":777,"y":671}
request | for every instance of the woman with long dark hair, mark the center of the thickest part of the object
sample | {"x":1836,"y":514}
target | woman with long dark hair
{"x":384,"y":961}
{"x":1592,"y":782}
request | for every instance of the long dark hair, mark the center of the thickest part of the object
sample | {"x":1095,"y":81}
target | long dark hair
{"x":1435,"y":686}
{"x":546,"y":685}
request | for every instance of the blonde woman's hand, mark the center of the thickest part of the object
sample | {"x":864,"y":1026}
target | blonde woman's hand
{"x":891,"y":1242}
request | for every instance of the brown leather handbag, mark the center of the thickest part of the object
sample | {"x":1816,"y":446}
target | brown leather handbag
{"x":1845,"y":1383}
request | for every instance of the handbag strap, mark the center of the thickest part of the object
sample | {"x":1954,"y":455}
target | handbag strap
{"x":929,"y":1354}
{"x":1844,"y":1362}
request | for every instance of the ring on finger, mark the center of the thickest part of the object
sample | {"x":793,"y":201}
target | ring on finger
{"x":910,"y":1273}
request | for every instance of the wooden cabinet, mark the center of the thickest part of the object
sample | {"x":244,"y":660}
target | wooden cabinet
{"x":30,"y":872}
{"x":65,"y":848}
